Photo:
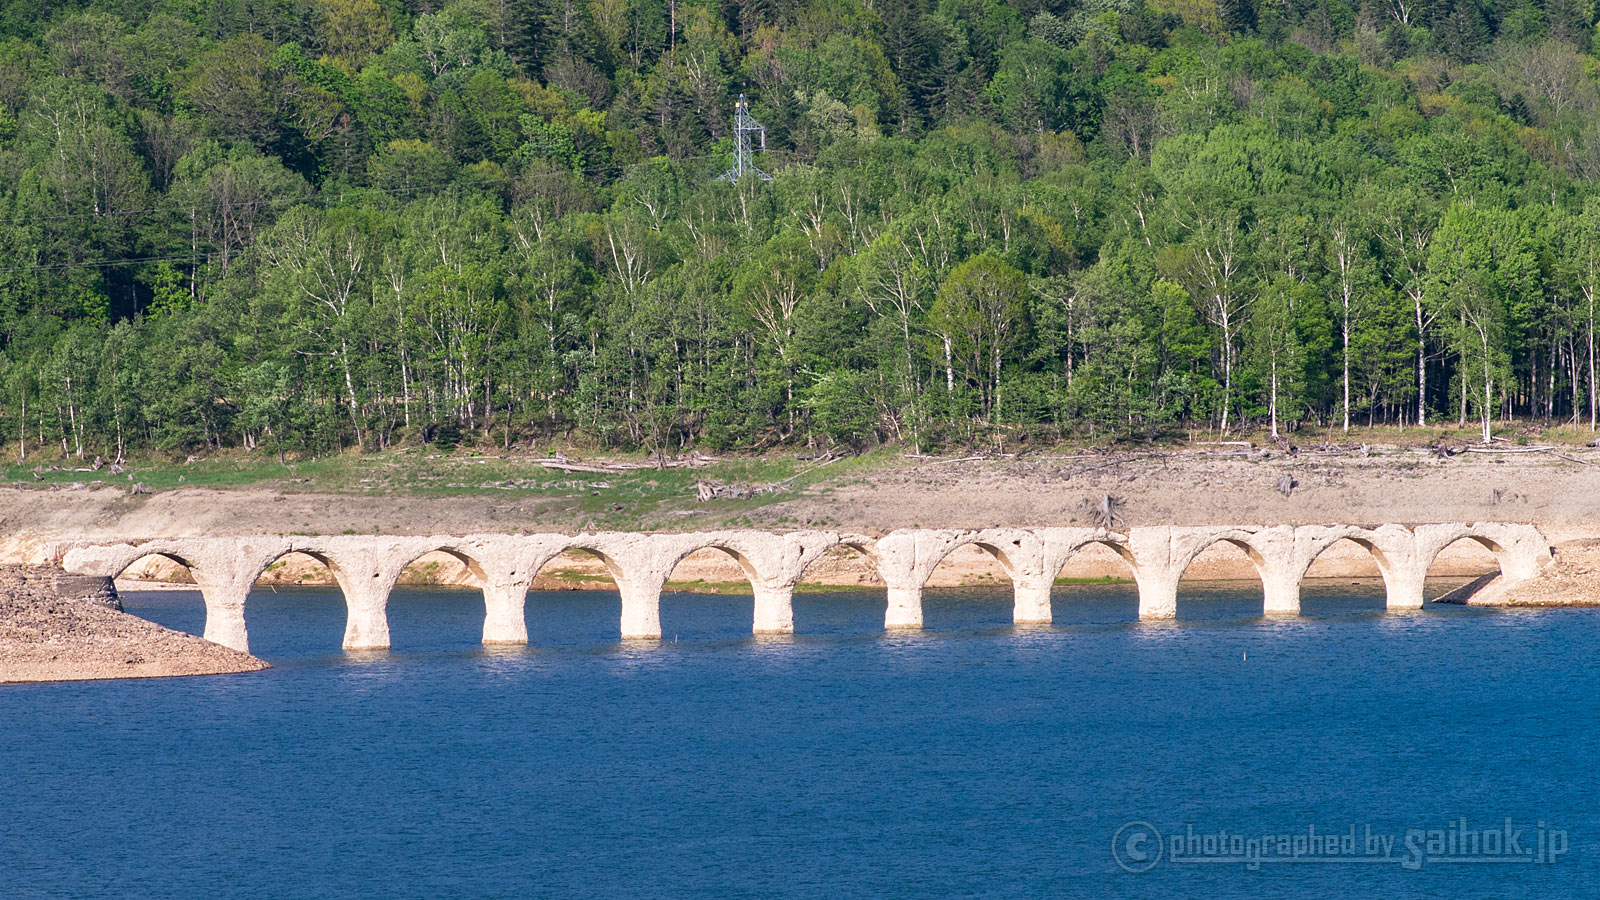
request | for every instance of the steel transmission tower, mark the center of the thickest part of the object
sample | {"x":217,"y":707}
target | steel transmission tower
{"x":743,"y":157}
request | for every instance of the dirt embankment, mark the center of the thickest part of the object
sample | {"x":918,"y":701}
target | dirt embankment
{"x":1195,"y":488}
{"x":50,"y":631}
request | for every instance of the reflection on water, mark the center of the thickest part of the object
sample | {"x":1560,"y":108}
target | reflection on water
{"x":970,"y":758}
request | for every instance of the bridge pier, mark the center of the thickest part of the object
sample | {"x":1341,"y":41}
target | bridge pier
{"x":1030,"y":603}
{"x":366,"y":617}
{"x":1405,"y":590}
{"x":905,"y":559}
{"x":905,"y":607}
{"x":504,"y":613}
{"x":1280,"y":597}
{"x":1158,"y":595}
{"x":225,"y":614}
{"x":774,"y":609}
{"x":641,"y":610}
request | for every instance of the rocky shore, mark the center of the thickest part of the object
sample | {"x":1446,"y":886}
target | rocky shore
{"x":58,"y":628}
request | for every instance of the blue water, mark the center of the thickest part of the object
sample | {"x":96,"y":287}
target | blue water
{"x":971,"y":759}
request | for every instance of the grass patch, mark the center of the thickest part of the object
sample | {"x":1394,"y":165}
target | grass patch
{"x":626,"y":499}
{"x":1103,"y":579}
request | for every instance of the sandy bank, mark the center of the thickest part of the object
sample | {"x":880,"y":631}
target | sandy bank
{"x":48,"y":634}
{"x":1401,"y":486}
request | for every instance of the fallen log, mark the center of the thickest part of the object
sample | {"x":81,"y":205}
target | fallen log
{"x":576,"y":467}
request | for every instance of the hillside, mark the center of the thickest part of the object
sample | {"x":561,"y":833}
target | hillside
{"x":304,"y":226}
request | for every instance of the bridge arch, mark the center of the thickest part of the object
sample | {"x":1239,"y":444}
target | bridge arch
{"x":760,"y":577}
{"x":731,"y":549}
{"x":1094,"y":546}
{"x":1002,"y":551}
{"x":1485,"y":552}
{"x":124,"y":566}
{"x":992,"y":564}
{"x":630,"y":562}
{"x":1220,"y":551}
{"x":500,"y":586}
{"x":1433,"y":550}
{"x":842,"y":555}
{"x":1266,"y":567}
{"x":1388,"y":563}
{"x":341,"y":580}
{"x":468,"y":558}
{"x":359,"y":619}
{"x":171,"y":556}
{"x":613,"y":568}
{"x":1240,"y":540}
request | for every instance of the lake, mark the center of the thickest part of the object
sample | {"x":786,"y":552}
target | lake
{"x":1098,"y":757}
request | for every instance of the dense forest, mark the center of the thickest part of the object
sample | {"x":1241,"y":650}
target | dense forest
{"x":302,"y":226}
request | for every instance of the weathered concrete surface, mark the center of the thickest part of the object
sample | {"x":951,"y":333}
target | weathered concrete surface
{"x":503,"y":566}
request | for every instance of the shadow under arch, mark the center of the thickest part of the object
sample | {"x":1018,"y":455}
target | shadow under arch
{"x":166,"y":602}
{"x":848,"y":595}
{"x":275,"y":607}
{"x":1223,"y":594}
{"x":1322,"y":577}
{"x":1085,"y":575}
{"x":1472,"y":571}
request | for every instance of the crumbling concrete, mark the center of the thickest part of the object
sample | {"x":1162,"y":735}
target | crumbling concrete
{"x":503,"y":566}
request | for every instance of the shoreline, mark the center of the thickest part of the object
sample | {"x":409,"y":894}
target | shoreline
{"x":57,"y":628}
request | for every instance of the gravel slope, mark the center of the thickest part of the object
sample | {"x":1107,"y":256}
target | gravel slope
{"x":45,"y":636}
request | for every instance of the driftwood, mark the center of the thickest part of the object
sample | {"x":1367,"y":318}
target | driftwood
{"x":562,"y":463}
{"x":1553,"y":451}
{"x":1287,"y":484}
{"x":717,"y":490}
{"x":1104,"y":513}
{"x":576,"y":467}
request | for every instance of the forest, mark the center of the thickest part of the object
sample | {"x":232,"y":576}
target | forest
{"x":307,"y":226}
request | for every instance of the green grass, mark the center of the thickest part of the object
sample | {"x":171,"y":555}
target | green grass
{"x":628,"y":498}
{"x":1103,"y":579}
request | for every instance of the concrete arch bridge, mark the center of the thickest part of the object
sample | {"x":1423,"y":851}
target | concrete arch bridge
{"x":367,"y":568}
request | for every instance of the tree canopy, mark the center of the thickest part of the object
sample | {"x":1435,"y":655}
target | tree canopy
{"x":309,"y":225}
